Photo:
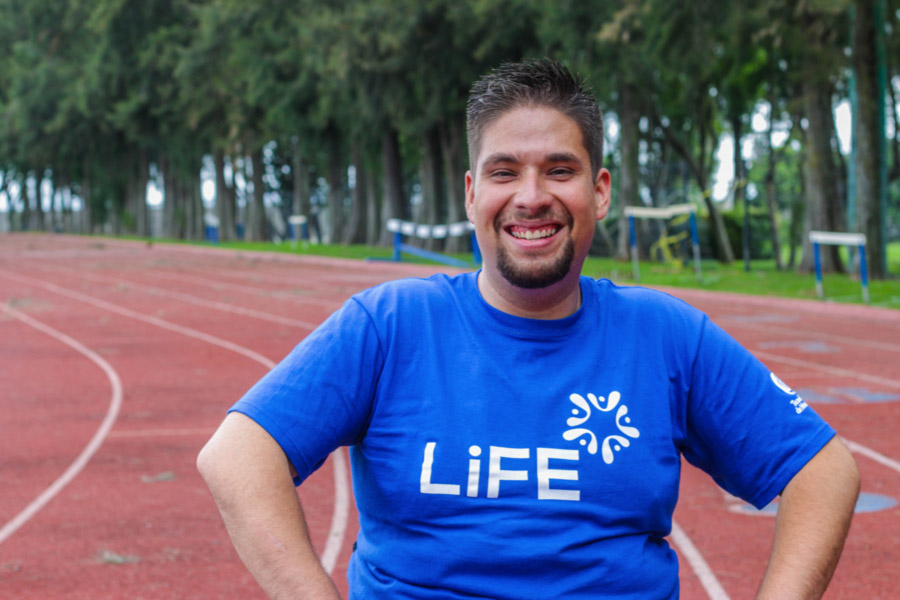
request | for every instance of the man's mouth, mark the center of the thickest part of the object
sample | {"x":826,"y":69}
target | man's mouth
{"x":523,"y":233}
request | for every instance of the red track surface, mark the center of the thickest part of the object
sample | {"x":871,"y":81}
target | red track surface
{"x":188,"y":330}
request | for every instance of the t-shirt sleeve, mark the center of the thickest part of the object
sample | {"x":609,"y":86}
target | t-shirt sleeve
{"x":745,"y":427}
{"x":319,"y":397}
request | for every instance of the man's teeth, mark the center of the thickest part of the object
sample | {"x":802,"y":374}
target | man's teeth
{"x":534,"y":234}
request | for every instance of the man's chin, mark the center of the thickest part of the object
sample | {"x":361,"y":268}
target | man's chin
{"x":533,"y":275}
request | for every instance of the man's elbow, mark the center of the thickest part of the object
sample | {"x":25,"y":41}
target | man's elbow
{"x":209,"y":463}
{"x":833,"y":472}
{"x":844,"y":467}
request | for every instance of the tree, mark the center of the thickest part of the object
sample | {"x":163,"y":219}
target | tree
{"x":868,"y":40}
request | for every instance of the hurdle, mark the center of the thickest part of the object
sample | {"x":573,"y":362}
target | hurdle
{"x":211,"y":228}
{"x":665,"y":213}
{"x":405,"y":228}
{"x":832,"y":238}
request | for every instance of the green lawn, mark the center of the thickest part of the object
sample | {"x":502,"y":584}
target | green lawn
{"x":763,"y":279}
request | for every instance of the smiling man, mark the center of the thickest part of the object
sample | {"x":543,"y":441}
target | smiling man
{"x":518,"y":432}
{"x":534,"y":198}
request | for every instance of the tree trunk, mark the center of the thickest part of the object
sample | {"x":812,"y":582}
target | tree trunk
{"x":629,"y":174}
{"x":224,"y":207}
{"x":68,"y":214}
{"x":170,"y":199}
{"x":772,"y":191}
{"x":869,"y":132}
{"x":395,"y":205}
{"x":355,"y":233}
{"x":256,"y":210}
{"x":198,"y":223}
{"x":182,"y":206}
{"x":51,"y":203}
{"x":895,"y":141}
{"x":451,"y":135}
{"x":229,"y":193}
{"x":37,"y":214}
{"x":821,"y":185}
{"x":85,"y":193}
{"x":138,"y":193}
{"x":432,"y":188}
{"x":301,"y":205}
{"x":374,"y":225}
{"x":336,"y":173}
{"x":740,"y":188}
{"x":25,"y":199}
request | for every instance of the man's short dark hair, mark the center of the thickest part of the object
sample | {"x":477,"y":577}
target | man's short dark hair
{"x":541,"y":82}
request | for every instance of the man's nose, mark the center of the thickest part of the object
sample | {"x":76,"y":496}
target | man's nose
{"x":532,"y":194}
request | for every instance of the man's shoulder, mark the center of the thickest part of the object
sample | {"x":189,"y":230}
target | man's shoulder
{"x":644,"y":304}
{"x":414,"y":291}
{"x":637,"y":295}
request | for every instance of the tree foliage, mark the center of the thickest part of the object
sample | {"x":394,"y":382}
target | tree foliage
{"x":351,"y":112}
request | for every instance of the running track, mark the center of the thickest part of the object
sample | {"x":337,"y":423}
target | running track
{"x":118,"y":360}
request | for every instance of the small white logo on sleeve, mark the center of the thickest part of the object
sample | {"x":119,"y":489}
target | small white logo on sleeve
{"x":797,"y":402}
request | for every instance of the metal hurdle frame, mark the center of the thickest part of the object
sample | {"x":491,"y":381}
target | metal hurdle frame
{"x":833,"y":238}
{"x":400,"y":228}
{"x":666,"y":213}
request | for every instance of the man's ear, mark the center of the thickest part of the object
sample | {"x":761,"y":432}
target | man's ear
{"x":470,"y":196}
{"x":602,"y":193}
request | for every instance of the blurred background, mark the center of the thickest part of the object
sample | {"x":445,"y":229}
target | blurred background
{"x":160,"y":118}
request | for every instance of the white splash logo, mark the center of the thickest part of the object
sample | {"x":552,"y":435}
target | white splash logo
{"x":588,"y":438}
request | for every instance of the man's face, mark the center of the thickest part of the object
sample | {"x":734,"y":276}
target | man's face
{"x":532,"y":198}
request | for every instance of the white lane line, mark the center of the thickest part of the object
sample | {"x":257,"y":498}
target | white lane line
{"x":341,"y":512}
{"x":127,"y":312}
{"x":221,"y":306}
{"x":795,"y":333}
{"x":806,"y":364}
{"x":338,"y":521}
{"x":115,"y":403}
{"x":704,"y":573}
{"x":281,"y":294}
{"x":890,"y":463}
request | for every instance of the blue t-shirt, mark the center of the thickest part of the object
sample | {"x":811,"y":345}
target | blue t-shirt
{"x":495,"y":456}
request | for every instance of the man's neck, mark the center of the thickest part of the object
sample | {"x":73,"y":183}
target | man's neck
{"x":557,"y":301}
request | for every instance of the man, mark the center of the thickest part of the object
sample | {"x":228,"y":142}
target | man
{"x":518,"y":432}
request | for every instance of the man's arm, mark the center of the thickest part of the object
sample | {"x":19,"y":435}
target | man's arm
{"x":813,"y":518}
{"x":251,"y":482}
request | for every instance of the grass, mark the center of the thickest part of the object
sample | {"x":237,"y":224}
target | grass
{"x":763,"y":278}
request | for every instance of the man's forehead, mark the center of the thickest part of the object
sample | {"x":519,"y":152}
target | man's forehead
{"x":531,"y":132}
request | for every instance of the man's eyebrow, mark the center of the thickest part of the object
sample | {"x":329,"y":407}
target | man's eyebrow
{"x":554,"y":157}
{"x":499,"y":157}
{"x":567,"y":157}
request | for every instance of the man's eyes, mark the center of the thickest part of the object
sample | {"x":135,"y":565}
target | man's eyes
{"x":554,"y":172}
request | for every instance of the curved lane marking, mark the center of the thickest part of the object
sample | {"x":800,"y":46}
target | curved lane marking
{"x":127,"y":312}
{"x":221,"y":306}
{"x":881,"y":459}
{"x":341,"y":507}
{"x":707,"y":578}
{"x":794,"y":332}
{"x":115,"y":403}
{"x":339,"y":516}
{"x":806,"y":364}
